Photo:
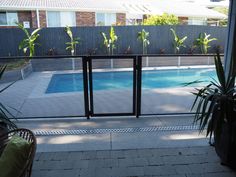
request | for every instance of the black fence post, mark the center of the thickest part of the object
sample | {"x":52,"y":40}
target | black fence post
{"x":139,"y":85}
{"x":91,"y":111}
{"x":85,"y":82}
{"x":134,"y":85}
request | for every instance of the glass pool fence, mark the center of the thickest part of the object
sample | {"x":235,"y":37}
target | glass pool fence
{"x":87,"y":86}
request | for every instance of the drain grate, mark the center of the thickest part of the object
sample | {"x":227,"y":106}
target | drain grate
{"x":113,"y":130}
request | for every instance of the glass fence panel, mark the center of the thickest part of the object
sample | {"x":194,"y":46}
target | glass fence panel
{"x":194,"y":61}
{"x":163,"y":90}
{"x":160,"y":61}
{"x":44,"y":87}
{"x":112,"y":86}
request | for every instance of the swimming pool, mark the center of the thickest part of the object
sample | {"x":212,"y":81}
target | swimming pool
{"x":151,"y":79}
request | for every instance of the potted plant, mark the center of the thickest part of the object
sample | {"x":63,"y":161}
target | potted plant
{"x":5,"y":114}
{"x":216,"y":110}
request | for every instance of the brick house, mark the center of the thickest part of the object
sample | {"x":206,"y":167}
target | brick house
{"x":59,"y":13}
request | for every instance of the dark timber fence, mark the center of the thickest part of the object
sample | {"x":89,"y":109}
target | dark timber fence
{"x":160,"y":39}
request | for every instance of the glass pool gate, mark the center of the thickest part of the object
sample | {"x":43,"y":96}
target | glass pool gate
{"x":109,"y":92}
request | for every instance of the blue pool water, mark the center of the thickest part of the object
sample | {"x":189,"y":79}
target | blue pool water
{"x":123,"y":80}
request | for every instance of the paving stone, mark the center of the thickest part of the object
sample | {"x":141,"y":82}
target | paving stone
{"x":85,"y":172}
{"x":155,"y":161}
{"x":197,"y":168}
{"x":140,"y":162}
{"x":74,"y":156}
{"x":131,"y":153}
{"x":110,"y":163}
{"x":145,"y":153}
{"x":46,"y":156}
{"x":95,"y":163}
{"x":103,"y":154}
{"x":119,"y":171}
{"x":159,"y":170}
{"x":182,"y":169}
{"x":215,"y":167}
{"x":81,"y":164}
{"x":89,"y":155}
{"x":119,"y":154}
{"x":128,"y":162}
{"x":217,"y":174}
{"x":60,"y":156}
{"x":103,"y":172}
{"x":135,"y":171}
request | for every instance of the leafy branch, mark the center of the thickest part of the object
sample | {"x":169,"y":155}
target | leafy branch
{"x":178,"y":42}
{"x":143,"y":37}
{"x":29,"y":42}
{"x":109,"y":43}
{"x":73,"y":41}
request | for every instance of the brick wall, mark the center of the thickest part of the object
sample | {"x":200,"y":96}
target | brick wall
{"x":24,"y":16}
{"x":183,"y":20}
{"x":85,"y":19}
{"x":120,"y":18}
{"x":34,"y":19}
{"x":42,"y":19}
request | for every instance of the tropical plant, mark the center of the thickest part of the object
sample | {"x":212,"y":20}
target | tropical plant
{"x":177,"y":41}
{"x":143,"y":37}
{"x":5,"y":114}
{"x":165,"y":19}
{"x":29,"y":42}
{"x":73,"y":41}
{"x":215,"y":110}
{"x":109,"y":42}
{"x":203,"y":42}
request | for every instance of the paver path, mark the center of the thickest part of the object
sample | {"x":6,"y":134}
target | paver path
{"x":164,"y":162}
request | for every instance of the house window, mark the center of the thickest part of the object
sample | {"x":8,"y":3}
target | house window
{"x":197,"y":21}
{"x":8,"y":18}
{"x":60,"y":19}
{"x":105,"y":19}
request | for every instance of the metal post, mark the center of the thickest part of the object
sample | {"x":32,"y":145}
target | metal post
{"x":230,"y":53}
{"x":85,"y":82}
{"x":91,"y":85}
{"x":179,"y":61}
{"x":134,"y":85}
{"x":139,"y":85}
{"x":38,"y":20}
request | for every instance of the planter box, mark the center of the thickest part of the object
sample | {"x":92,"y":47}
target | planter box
{"x":17,"y":74}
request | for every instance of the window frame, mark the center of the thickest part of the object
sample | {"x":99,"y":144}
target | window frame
{"x":106,"y":18}
{"x":47,"y":19}
{"x":7,"y":12}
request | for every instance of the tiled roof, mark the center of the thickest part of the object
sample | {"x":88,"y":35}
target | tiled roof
{"x":185,"y":9}
{"x":82,"y":5}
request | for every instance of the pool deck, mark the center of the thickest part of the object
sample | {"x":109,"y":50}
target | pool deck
{"x":166,"y":146}
{"x":29,"y":98}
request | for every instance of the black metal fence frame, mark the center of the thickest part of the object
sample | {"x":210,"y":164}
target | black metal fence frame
{"x":88,"y":82}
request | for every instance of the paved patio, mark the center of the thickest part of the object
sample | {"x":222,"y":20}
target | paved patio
{"x":149,"y":146}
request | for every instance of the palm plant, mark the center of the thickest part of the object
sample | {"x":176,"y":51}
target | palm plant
{"x":109,"y":42}
{"x":178,"y":42}
{"x":29,"y":42}
{"x":215,"y":110}
{"x":73,"y":41}
{"x":143,"y":37}
{"x":5,"y":114}
{"x":203,"y":42}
